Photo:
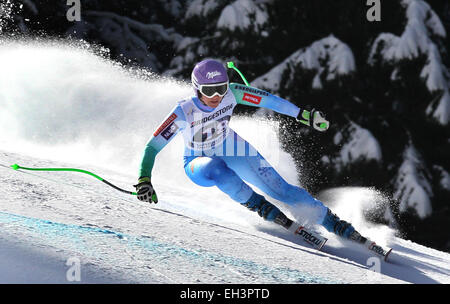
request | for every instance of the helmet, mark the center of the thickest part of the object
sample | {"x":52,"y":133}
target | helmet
{"x":210,"y":78}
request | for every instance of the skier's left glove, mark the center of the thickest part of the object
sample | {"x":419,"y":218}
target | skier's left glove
{"x":315,"y":119}
{"x":145,"y":191}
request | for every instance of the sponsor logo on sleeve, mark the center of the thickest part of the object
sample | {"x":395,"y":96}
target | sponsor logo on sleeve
{"x":251,"y":98}
{"x":169,"y":131}
{"x":250,"y":90}
{"x":165,"y":124}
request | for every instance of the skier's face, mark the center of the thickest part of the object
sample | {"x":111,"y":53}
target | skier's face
{"x":212,"y":102}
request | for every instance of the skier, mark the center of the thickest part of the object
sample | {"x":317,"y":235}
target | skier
{"x":215,"y":155}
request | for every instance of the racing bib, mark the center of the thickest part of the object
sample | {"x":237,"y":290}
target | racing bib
{"x":206,"y":130}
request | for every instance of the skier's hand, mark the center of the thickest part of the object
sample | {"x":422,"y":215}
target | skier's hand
{"x":315,"y":119}
{"x":318,"y":121}
{"x":145,"y":191}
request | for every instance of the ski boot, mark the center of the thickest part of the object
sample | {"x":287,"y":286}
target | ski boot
{"x":270,"y":212}
{"x":344,"y":229}
{"x":265,"y":209}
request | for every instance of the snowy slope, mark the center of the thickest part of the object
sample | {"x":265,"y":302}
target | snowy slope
{"x":62,"y":106}
{"x":119,"y":239}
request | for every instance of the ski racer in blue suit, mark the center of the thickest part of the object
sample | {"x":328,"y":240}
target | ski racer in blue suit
{"x":215,"y":155}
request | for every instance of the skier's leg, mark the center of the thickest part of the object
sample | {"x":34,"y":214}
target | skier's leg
{"x":212,"y":171}
{"x":208,"y":172}
{"x":257,"y":171}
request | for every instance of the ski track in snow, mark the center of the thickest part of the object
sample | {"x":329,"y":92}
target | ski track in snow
{"x":120,"y":239}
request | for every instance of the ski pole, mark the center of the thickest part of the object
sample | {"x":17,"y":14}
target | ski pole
{"x":230,"y":65}
{"x":17,"y":167}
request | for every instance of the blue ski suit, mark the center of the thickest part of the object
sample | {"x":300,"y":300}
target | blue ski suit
{"x":215,"y":155}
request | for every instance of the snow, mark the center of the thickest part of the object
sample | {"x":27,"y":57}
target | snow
{"x":328,"y":55}
{"x":412,"y":188}
{"x":441,"y":110}
{"x":85,"y":111}
{"x":360,"y":145}
{"x":133,"y":39}
{"x":26,"y":263}
{"x":185,"y":42}
{"x":201,"y":8}
{"x":116,"y":238}
{"x":243,"y":15}
{"x":317,"y":84}
{"x":7,"y":9}
{"x":422,"y":24}
{"x":445,"y":180}
{"x":419,"y":11}
{"x":433,"y":71}
{"x":444,"y":177}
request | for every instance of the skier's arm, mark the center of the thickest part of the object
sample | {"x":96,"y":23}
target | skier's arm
{"x":250,"y":96}
{"x":173,"y":123}
{"x":255,"y":97}
{"x":161,"y":137}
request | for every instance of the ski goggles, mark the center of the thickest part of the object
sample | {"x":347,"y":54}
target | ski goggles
{"x":211,"y":90}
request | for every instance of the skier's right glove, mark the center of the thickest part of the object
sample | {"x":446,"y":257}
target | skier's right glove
{"x":145,"y":191}
{"x":314,"y":118}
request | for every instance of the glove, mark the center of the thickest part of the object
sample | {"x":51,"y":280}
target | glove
{"x":315,"y":118}
{"x":319,"y":122}
{"x":145,"y":191}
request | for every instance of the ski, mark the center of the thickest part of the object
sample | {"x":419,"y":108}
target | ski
{"x":309,"y":236}
{"x":318,"y":241}
{"x":379,"y":250}
{"x":371,"y":246}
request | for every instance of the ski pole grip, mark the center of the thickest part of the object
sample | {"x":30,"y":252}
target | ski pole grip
{"x":230,"y":65}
